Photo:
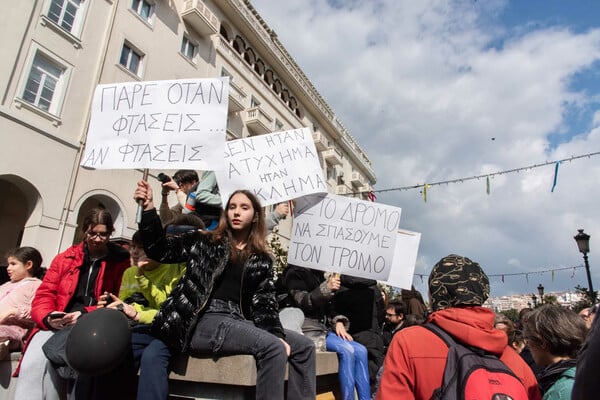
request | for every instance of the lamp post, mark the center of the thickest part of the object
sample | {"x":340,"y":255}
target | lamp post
{"x":540,"y":289}
{"x":583,"y":243}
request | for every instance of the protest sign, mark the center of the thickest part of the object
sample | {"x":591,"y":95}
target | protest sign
{"x":345,"y":235}
{"x":405,"y":257}
{"x":276,"y":167}
{"x":158,"y":124}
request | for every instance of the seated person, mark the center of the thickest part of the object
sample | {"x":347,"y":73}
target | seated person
{"x":360,"y":300}
{"x":183,"y":183}
{"x":24,"y":269}
{"x":144,"y":287}
{"x":308,"y":290}
{"x":74,"y":283}
{"x":225,"y":303}
{"x":204,"y":200}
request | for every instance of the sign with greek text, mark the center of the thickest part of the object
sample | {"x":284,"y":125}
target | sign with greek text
{"x":170,"y":124}
{"x":345,"y":235}
{"x":405,"y":258}
{"x":276,"y":167}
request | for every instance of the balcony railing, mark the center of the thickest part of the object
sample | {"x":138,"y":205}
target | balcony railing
{"x":197,"y":15}
{"x":257,"y":121}
{"x":357,"y":179}
{"x":320,"y":140}
{"x":333,"y":156}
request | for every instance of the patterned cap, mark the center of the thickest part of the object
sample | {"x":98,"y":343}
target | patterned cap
{"x":456,"y":280}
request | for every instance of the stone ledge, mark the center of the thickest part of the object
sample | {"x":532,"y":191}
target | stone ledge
{"x":235,"y":370}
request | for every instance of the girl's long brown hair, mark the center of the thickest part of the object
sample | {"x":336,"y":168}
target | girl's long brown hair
{"x":256,"y":238}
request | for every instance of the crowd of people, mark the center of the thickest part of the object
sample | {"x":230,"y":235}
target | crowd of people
{"x":198,"y":278}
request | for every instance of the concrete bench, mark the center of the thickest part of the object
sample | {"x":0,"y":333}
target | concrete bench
{"x":230,"y":377}
{"x":234,"y":377}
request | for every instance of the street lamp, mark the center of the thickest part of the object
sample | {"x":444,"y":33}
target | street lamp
{"x":583,"y":243}
{"x":540,"y":289}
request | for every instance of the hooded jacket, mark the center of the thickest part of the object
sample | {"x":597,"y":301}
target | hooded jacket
{"x":176,"y":320}
{"x":60,"y":282}
{"x":415,"y":362}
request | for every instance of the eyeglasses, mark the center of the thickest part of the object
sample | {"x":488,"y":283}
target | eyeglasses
{"x":389,"y":315}
{"x":101,"y":235}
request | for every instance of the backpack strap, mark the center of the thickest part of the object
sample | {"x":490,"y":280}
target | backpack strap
{"x":442,"y":334}
{"x":450,"y":341}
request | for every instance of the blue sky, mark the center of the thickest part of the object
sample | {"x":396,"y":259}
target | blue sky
{"x":424,"y":85}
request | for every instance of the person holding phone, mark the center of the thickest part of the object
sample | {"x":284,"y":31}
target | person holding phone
{"x":72,"y":287}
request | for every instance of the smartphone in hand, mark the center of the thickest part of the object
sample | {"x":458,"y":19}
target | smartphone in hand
{"x":56,"y":315}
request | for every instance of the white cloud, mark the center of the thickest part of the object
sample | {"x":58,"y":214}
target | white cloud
{"x":424,"y":86}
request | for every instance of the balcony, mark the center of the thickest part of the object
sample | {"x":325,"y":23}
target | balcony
{"x":342,"y":190}
{"x":257,"y":121}
{"x":333,"y":156}
{"x":231,"y":135}
{"x":320,"y":140}
{"x":236,"y":97}
{"x":357,"y":180}
{"x":199,"y":17}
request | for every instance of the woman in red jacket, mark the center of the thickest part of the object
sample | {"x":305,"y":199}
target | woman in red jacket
{"x":72,"y":286}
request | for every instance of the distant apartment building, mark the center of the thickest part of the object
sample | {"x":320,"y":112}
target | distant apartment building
{"x":520,"y":301}
{"x":56,"y":52}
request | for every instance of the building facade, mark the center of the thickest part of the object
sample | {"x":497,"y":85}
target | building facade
{"x":57,"y":51}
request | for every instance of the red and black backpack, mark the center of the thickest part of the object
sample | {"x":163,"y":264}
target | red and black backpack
{"x":474,"y":374}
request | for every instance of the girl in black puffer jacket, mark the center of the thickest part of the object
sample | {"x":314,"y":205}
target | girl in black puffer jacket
{"x":225,"y":303}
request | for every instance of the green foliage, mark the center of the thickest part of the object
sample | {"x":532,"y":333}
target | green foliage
{"x":279,"y":253}
{"x":511,"y":314}
{"x":586,"y":301}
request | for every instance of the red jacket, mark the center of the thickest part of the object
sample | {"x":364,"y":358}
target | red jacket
{"x":415,"y":362}
{"x":60,"y":282}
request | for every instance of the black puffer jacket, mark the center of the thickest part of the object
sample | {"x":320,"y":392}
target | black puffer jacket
{"x":176,"y":320}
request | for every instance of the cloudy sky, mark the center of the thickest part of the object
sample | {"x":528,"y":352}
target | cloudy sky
{"x":441,"y":90}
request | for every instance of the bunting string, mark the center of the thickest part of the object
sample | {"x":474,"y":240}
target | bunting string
{"x":526,"y":274}
{"x":425,"y":186}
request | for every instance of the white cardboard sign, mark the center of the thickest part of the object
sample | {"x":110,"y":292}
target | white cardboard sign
{"x":346,"y":235}
{"x":168,"y":124}
{"x":405,"y":258}
{"x":276,"y":167}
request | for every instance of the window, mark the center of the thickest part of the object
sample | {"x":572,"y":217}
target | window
{"x":254,"y":102}
{"x":278,"y":125}
{"x":67,"y":14}
{"x":45,"y":80}
{"x":143,"y":8}
{"x":330,"y":171}
{"x":131,"y":59}
{"x":224,"y":72}
{"x":188,"y":48}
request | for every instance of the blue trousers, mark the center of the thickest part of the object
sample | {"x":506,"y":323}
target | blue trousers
{"x":153,"y":358}
{"x":353,"y":366}
{"x":222,"y":330}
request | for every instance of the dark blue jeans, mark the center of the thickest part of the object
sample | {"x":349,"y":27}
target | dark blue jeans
{"x":153,"y":358}
{"x":222,"y":330}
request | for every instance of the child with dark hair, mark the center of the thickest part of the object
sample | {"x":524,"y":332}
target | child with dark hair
{"x":24,"y":269}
